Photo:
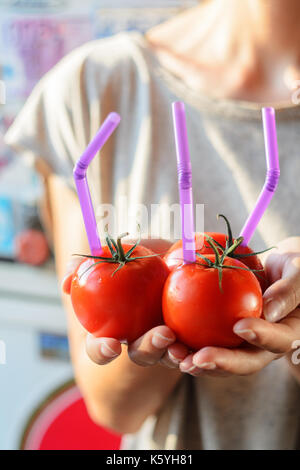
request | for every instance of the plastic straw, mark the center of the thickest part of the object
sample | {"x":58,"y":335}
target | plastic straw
{"x":184,"y":169}
{"x":105,"y":131}
{"x":272,"y":177}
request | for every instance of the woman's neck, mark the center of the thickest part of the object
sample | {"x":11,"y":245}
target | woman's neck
{"x":233,"y":48}
{"x":275,"y":23}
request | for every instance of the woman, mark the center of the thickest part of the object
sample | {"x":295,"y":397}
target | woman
{"x":225,"y":59}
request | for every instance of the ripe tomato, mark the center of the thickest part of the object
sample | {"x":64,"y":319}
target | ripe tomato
{"x":200,"y":313}
{"x":174,"y":256}
{"x":123,"y":304}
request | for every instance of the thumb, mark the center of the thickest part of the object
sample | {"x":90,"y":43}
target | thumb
{"x":282,"y":297}
{"x":66,"y":282}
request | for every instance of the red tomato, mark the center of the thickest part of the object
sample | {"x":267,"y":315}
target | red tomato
{"x":123,"y":304}
{"x":174,"y":256}
{"x":200,"y":313}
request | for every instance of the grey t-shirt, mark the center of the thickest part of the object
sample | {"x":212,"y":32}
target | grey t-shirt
{"x":227,"y":149}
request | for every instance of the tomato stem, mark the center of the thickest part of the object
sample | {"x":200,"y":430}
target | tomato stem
{"x":118,"y":255}
{"x":219,"y":260}
{"x":121,"y":253}
{"x":231,"y":244}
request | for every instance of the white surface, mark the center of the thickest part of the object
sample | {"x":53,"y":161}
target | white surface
{"x":28,"y":280}
{"x":25,"y":382}
{"x":29,"y":304}
{"x":21,"y":312}
{"x":30,"y":296}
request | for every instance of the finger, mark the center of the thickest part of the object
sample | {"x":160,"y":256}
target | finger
{"x":279,"y":261}
{"x":71,"y":266}
{"x":283,"y":296}
{"x":149,"y":348}
{"x":102,"y":350}
{"x":175,"y":353}
{"x":66,"y":283}
{"x":241,"y":361}
{"x":188,"y":366}
{"x":166,"y":361}
{"x":273,"y":337}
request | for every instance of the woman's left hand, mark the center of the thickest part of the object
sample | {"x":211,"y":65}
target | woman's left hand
{"x":267,"y":339}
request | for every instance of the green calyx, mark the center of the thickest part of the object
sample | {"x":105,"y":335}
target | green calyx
{"x":118,"y":255}
{"x":228,"y":251}
{"x":230,"y":243}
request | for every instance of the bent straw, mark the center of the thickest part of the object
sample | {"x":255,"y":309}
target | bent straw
{"x":272,"y":177}
{"x":80,"y":169}
{"x":184,"y":170}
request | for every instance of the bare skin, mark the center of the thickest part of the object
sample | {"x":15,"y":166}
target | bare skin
{"x":245,"y":50}
{"x":228,"y":51}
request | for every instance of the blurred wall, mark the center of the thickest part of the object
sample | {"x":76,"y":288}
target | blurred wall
{"x":34,"y":36}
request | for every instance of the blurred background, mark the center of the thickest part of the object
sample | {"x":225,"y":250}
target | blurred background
{"x":40,"y":407}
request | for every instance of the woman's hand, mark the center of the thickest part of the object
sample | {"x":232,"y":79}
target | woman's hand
{"x":267,"y":339}
{"x":156,"y":346}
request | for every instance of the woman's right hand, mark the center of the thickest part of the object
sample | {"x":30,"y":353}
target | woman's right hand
{"x":158,"y":345}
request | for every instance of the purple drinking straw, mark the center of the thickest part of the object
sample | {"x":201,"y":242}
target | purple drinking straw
{"x":272,"y":177}
{"x":184,"y":170}
{"x":105,"y":131}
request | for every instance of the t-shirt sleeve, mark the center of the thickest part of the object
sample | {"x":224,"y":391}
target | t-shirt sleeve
{"x":64,"y":110}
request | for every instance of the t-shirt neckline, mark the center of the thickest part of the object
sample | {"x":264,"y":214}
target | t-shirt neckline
{"x":230,"y":107}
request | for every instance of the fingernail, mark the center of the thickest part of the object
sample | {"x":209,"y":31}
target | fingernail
{"x":272,"y":310}
{"x":66,"y":284}
{"x":107,"y":351}
{"x":63,"y":281}
{"x":183,"y":365}
{"x":191,"y":369}
{"x":248,"y":335}
{"x":65,"y":278}
{"x":173,"y":358}
{"x":160,"y":342}
{"x":207,"y":365}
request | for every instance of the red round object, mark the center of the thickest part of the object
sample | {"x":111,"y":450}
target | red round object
{"x":121,"y":304}
{"x":62,"y":423}
{"x":31,"y":247}
{"x":200,"y":313}
{"x":174,"y":256}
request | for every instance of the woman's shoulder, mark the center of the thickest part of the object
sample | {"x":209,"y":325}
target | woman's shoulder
{"x":103,"y":58}
{"x":115,"y":50}
{"x":66,"y":107}
{"x":107,"y":67}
